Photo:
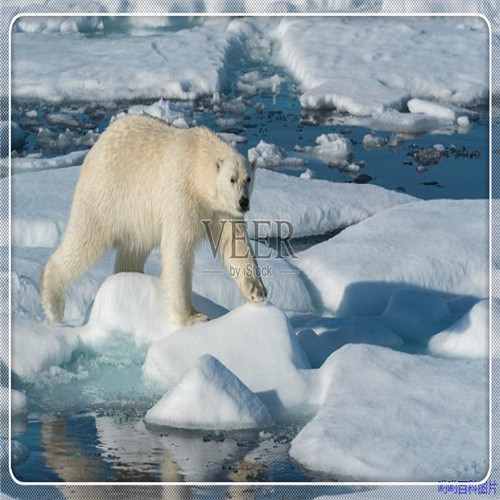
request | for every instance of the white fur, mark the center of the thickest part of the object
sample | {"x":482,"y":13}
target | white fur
{"x":145,"y":184}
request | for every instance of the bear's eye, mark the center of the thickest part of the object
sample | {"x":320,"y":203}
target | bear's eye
{"x":233,"y":180}
{"x":248,"y":179}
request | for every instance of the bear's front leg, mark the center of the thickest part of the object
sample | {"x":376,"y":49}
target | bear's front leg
{"x":240,"y":261}
{"x":177,"y":266}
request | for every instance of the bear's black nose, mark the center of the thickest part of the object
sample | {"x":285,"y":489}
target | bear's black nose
{"x":244,"y":204}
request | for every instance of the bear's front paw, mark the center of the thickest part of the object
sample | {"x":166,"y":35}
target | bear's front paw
{"x":254,"y":290}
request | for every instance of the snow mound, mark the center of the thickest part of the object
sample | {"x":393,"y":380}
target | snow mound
{"x":133,"y":304}
{"x":210,"y":396}
{"x":468,"y":337}
{"x":390,"y":416}
{"x":134,"y":67}
{"x":370,"y":73}
{"x":314,"y":207}
{"x":357,"y":271}
{"x":253,"y":341}
{"x":334,"y":149}
{"x":37,"y":347}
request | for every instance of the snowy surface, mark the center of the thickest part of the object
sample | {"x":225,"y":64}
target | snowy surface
{"x":431,"y":108}
{"x":314,"y":207}
{"x":210,"y":396}
{"x":468,"y":337}
{"x":357,"y":271}
{"x":122,"y":68}
{"x":398,"y":418}
{"x":253,"y":341}
{"x":362,"y":71}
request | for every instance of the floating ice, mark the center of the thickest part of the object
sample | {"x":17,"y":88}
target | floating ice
{"x":209,"y":396}
{"x":357,"y":271}
{"x":468,"y":337}
{"x":463,"y":121}
{"x":390,"y":416}
{"x":334,"y":149}
{"x":178,"y":114}
{"x":370,"y":73}
{"x":404,"y":123}
{"x":253,"y":341}
{"x":136,"y":67}
{"x":373,"y":141}
{"x":232,"y":139}
{"x":253,"y":82}
{"x":266,"y":155}
{"x":307,"y":174}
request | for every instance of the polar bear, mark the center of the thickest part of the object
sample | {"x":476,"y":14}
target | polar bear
{"x":145,"y":184}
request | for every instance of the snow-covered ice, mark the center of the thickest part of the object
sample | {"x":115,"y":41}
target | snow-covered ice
{"x":122,"y":68}
{"x":468,"y":337}
{"x":209,"y":396}
{"x":362,"y":71}
{"x":253,"y":341}
{"x":390,"y":416}
{"x":315,"y":207}
{"x":405,"y":123}
{"x":437,"y":245}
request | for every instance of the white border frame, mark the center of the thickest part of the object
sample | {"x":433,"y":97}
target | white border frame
{"x":260,"y":483}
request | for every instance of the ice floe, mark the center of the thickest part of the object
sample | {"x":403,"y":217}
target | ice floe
{"x":130,"y":68}
{"x":362,"y":71}
{"x":253,"y":341}
{"x":390,"y":416}
{"x":435,"y":246}
{"x":209,"y":396}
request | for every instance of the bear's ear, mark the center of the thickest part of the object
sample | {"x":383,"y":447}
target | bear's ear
{"x":219,"y":164}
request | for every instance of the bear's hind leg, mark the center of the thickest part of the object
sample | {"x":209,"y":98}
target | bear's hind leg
{"x":130,"y":260}
{"x":80,"y":248}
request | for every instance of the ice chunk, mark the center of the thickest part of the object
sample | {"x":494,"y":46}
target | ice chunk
{"x":468,"y":337}
{"x":334,"y":149}
{"x":314,"y":207}
{"x":357,"y":271}
{"x":210,"y":396}
{"x":232,"y":139}
{"x":266,"y":155}
{"x":463,"y":121}
{"x":36,"y":347}
{"x":373,"y":141}
{"x":432,"y":109}
{"x":253,"y":341}
{"x":307,"y":174}
{"x":404,"y":123}
{"x":253,"y":82}
{"x":391,"y":416}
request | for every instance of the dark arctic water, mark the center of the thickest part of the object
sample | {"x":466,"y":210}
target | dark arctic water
{"x":101,"y":439}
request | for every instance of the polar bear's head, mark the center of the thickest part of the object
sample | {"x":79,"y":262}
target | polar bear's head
{"x":235,"y":176}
